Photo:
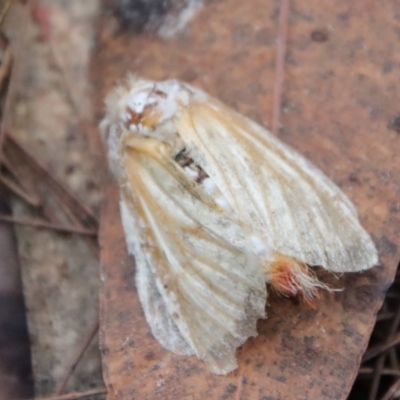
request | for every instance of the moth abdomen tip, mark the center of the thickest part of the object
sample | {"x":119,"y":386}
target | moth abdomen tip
{"x":293,"y":278}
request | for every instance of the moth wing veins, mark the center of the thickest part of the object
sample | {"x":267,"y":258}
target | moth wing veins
{"x":284,"y":200}
{"x":193,"y":262}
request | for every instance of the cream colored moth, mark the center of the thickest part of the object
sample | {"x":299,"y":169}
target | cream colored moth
{"x":214,"y":207}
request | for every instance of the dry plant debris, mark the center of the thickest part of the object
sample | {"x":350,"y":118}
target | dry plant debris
{"x":344,"y":122}
{"x":338,"y":119}
{"x":47,"y":160}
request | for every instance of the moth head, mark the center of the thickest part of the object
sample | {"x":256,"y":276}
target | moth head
{"x":141,"y":106}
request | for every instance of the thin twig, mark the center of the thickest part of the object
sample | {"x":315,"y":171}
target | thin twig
{"x":77,"y":213}
{"x":5,"y":79}
{"x":393,"y":295}
{"x":31,"y":200}
{"x":77,"y":357}
{"x":74,"y":209}
{"x":28,"y":191}
{"x":380,"y":363}
{"x":384,"y":316}
{"x":35,"y":223}
{"x":376,"y":379}
{"x":393,"y":391}
{"x":385,"y":371}
{"x":7,"y":60}
{"x":392,"y":330}
{"x":394,"y":362}
{"x":280,"y":65}
{"x":379,"y":349}
{"x":75,"y":395}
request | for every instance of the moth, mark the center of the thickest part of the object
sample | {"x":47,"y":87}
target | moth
{"x":214,"y":207}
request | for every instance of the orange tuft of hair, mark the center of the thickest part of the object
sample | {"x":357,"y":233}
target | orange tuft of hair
{"x":293,"y":278}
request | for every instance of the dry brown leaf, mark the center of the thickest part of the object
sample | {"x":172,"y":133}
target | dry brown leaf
{"x":340,"y":94}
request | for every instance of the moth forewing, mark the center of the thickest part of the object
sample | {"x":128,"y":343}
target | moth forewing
{"x":209,"y":289}
{"x":213,"y":206}
{"x":161,"y":324}
{"x":289,"y":203}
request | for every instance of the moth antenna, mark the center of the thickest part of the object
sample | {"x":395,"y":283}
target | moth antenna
{"x":293,"y":278}
{"x":152,"y":91}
